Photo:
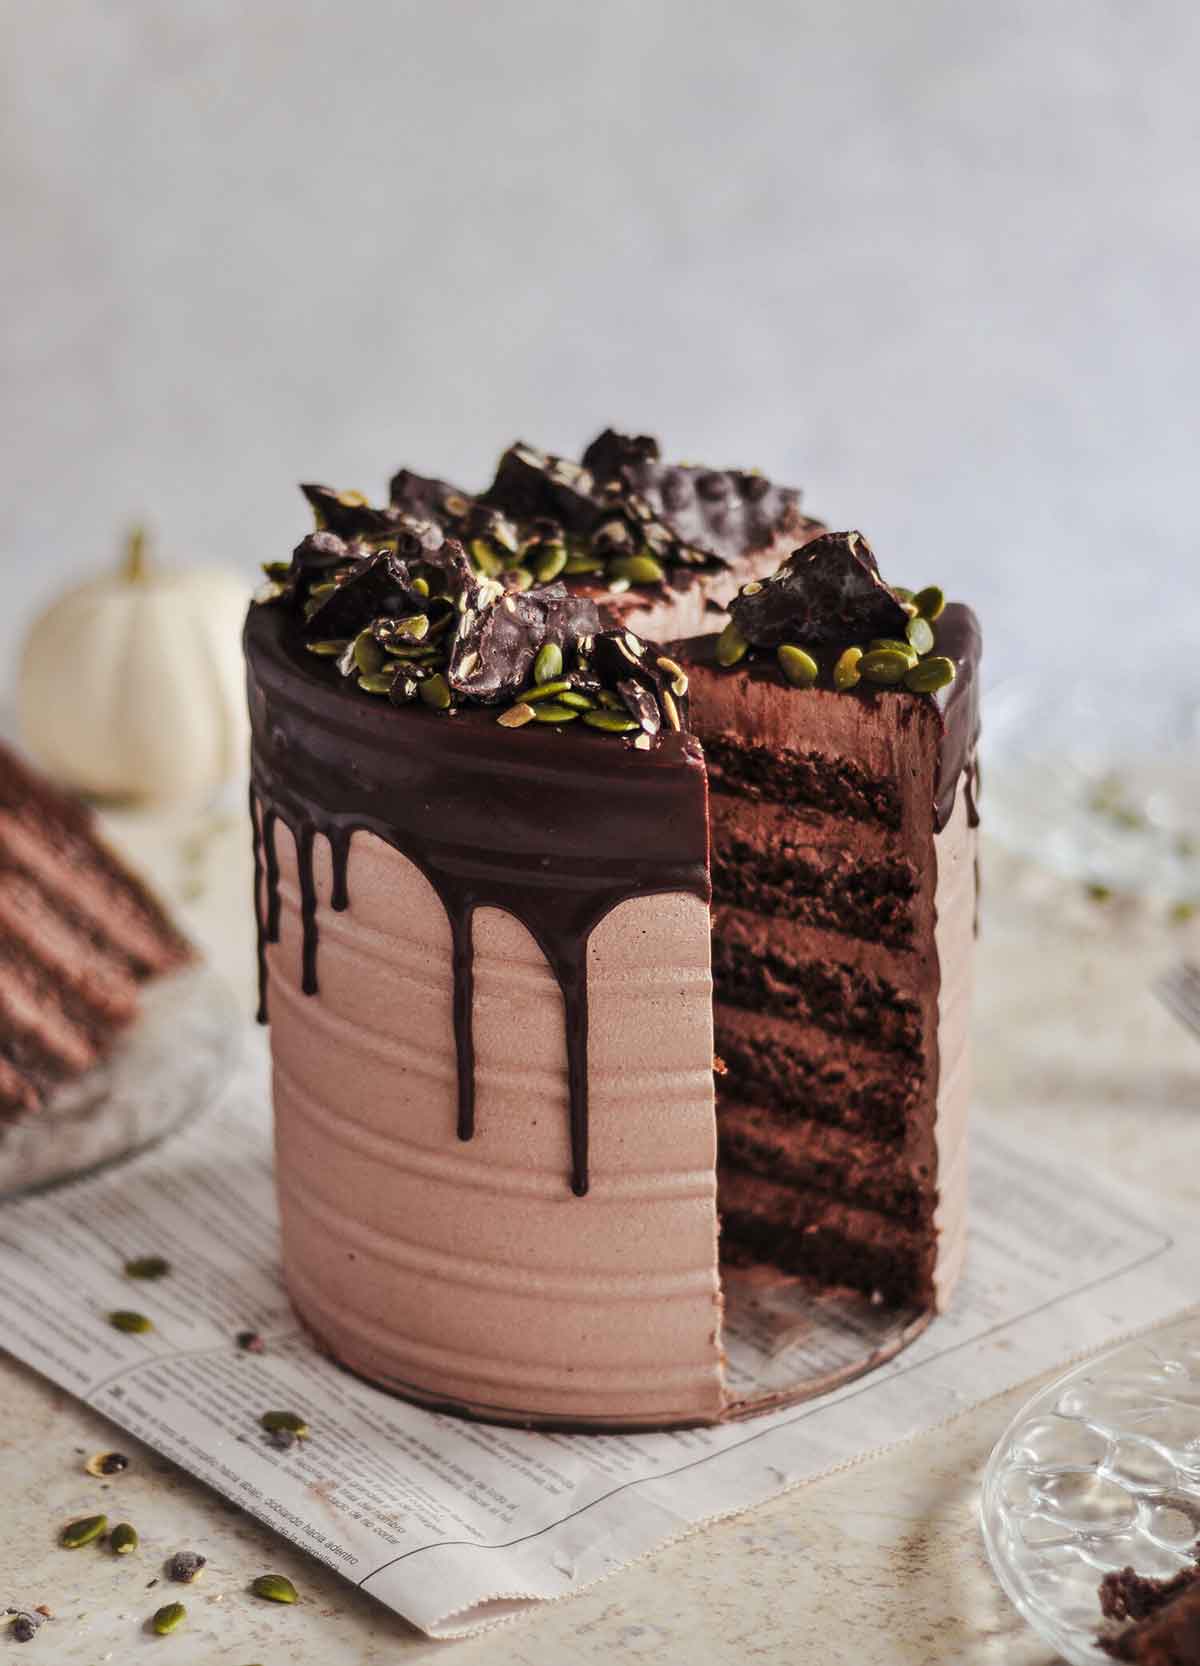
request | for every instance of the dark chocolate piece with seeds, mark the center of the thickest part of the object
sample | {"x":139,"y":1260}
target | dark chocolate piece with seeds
{"x":827,"y":593}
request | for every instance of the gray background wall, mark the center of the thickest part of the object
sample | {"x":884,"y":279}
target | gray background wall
{"x":937,"y":261}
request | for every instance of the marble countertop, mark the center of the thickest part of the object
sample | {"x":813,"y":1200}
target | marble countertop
{"x":879,"y":1563}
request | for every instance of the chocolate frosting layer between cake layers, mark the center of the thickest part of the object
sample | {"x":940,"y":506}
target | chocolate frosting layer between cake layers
{"x":457,"y":797}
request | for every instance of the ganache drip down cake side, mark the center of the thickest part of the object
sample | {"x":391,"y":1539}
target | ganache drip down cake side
{"x":617,"y":956}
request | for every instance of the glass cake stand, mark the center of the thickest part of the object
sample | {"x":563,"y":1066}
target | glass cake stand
{"x":1100,"y":783}
{"x":168,"y":1067}
{"x":1098,"y":1472}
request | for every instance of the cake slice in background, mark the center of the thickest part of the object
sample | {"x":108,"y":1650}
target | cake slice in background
{"x":79,"y":933}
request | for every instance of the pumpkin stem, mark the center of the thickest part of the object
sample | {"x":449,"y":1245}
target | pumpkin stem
{"x":135,"y":567}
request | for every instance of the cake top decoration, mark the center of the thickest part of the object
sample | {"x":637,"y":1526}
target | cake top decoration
{"x":619,"y":517}
{"x":412,"y":619}
{"x":829,"y":616}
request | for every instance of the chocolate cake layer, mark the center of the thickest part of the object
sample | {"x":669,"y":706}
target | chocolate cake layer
{"x":805,"y":1233}
{"x":749,"y":972}
{"x":797,"y":1072}
{"x":785,"y":878}
{"x":815,"y":1157}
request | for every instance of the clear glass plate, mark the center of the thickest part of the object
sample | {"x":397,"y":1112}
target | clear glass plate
{"x":169,"y":1066}
{"x":1098,"y":781}
{"x":1098,"y":1472}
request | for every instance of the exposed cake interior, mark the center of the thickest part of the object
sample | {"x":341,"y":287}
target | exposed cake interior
{"x":832,"y":1092}
{"x":78,"y":934}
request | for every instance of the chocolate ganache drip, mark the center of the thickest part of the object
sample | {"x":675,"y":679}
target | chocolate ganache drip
{"x":556,"y":827}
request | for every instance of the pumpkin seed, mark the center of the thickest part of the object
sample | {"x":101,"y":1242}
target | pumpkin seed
{"x":516,"y":716}
{"x":368,"y":655}
{"x":520,"y":578}
{"x":799,"y":667}
{"x":885,"y":666}
{"x":678,"y":676}
{"x":931,"y":674}
{"x":415,"y":626}
{"x":377,"y":682}
{"x":327,"y":649}
{"x":123,"y":1539}
{"x":133,"y":1324}
{"x":273,"y":1587}
{"x":106,"y":1463}
{"x":169,"y":1618}
{"x":581,"y":702}
{"x":638,"y":569}
{"x":551,"y":564}
{"x":670,"y":710}
{"x":484,"y":558}
{"x":731,"y":646}
{"x":552,"y":711}
{"x":920,"y":634}
{"x":612,"y":722}
{"x":545,"y":691}
{"x":85,"y":1531}
{"x":929,"y":602}
{"x":548,"y":664}
{"x":578,"y":565}
{"x":902,"y":593}
{"x":846,"y":673}
{"x":435,"y":691}
{"x":421,"y":586}
{"x":285,"y":1420}
{"x":895,"y":644}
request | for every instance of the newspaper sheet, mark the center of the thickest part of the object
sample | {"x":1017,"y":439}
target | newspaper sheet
{"x":457,"y":1525}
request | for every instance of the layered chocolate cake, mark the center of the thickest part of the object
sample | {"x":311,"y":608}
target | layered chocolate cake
{"x":79,"y":935}
{"x":506,"y":846}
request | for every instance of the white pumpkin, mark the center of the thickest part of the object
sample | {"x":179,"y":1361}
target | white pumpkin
{"x":132,"y":686}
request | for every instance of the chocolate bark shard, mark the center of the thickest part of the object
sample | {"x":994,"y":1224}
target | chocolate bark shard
{"x":709,"y":515}
{"x":350,"y":515}
{"x":532,"y":484}
{"x":499,"y":634}
{"x":379,"y":588}
{"x":428,"y":498}
{"x":828,"y":593}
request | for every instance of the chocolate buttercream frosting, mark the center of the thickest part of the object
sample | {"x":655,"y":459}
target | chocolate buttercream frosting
{"x":456,"y":800}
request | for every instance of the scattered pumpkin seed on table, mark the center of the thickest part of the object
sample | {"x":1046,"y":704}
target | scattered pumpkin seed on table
{"x":290,"y":1420}
{"x":133,"y":1324}
{"x":85,"y":1531}
{"x":273,"y":1587}
{"x":148,"y":1266}
{"x":168,"y":1618}
{"x":123,"y":1539}
{"x":106,"y":1463}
